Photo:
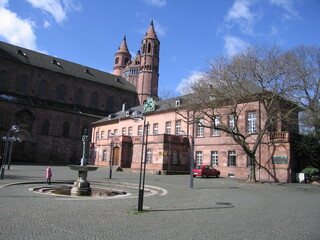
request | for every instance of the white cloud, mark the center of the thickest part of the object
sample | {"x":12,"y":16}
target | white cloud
{"x":241,"y":15}
{"x":159,"y":29}
{"x":287,"y":5}
{"x":234,"y":45}
{"x":156,"y":3}
{"x":16,"y":30}
{"x":57,"y":8}
{"x":53,"y":7}
{"x":184,"y":85}
{"x":46,"y":24}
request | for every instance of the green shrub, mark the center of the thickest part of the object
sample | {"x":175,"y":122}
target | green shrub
{"x":311,"y":172}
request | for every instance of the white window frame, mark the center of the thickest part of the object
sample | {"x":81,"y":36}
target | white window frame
{"x":200,"y":127}
{"x":104,"y":155}
{"x":130,"y":131}
{"x":214,"y":158}
{"x":216,"y":132}
{"x":232,"y":158}
{"x":124,"y":131}
{"x":178,"y":127}
{"x":155,"y":128}
{"x":168,"y":127}
{"x":252,"y":122}
{"x":149,"y":155}
{"x":140,"y":130}
{"x":199,"y":157}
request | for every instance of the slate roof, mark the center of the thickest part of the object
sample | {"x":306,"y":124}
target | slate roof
{"x":37,"y":59}
{"x":161,"y":106}
{"x":54,"y":105}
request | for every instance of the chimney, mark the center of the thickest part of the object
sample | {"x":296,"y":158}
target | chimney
{"x":123,"y":107}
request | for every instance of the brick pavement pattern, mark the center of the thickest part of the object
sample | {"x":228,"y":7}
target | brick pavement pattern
{"x":216,"y":208}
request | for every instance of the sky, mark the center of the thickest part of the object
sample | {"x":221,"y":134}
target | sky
{"x":191,"y":32}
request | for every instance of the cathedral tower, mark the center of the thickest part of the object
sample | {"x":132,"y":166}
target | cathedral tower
{"x":143,"y":71}
{"x":121,"y":58}
{"x":148,"y":77}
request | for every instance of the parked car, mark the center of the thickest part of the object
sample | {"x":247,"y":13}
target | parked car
{"x":205,"y":171}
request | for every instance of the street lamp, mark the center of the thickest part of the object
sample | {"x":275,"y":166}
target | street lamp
{"x":8,"y":139}
{"x":191,"y":156}
{"x":137,"y":116}
{"x":111,"y":135}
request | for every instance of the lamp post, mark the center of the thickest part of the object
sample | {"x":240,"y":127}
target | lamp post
{"x":111,"y":135}
{"x":8,"y":139}
{"x":191,"y":156}
{"x":137,"y":116}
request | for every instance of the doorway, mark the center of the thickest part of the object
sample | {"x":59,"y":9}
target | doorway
{"x":116,"y":156}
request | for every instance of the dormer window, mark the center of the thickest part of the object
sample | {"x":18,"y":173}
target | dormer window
{"x":20,"y":52}
{"x":54,"y":61}
{"x":178,"y":102}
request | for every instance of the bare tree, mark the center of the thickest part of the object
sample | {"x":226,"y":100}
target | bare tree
{"x":255,"y":79}
{"x":304,"y":63}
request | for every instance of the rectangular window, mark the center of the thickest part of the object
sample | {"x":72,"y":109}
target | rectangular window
{"x":200,"y":127}
{"x":199,"y":157}
{"x":168,"y":127}
{"x":148,"y":129}
{"x":149,"y":155}
{"x":104,"y":155}
{"x":232,"y":123}
{"x":97,"y":136}
{"x":216,"y":132}
{"x":109,"y":133}
{"x":115,"y":132}
{"x":214,"y":158}
{"x":178,"y":127}
{"x":140,"y":130}
{"x":155,"y":128}
{"x":102,"y":134}
{"x":130,"y":131}
{"x":124,"y":132}
{"x":252,"y":122}
{"x":232,"y":158}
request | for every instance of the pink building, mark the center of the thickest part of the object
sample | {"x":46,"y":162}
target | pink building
{"x":170,"y":137}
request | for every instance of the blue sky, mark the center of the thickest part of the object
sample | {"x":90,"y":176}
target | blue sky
{"x":191,"y":32}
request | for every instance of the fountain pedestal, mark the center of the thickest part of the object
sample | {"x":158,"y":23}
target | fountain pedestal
{"x":81,"y":187}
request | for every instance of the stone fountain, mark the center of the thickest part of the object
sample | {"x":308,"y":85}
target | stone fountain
{"x":81,"y":187}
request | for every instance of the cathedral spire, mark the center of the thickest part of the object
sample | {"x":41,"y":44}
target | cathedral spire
{"x":151,"y":32}
{"x":123,"y":47}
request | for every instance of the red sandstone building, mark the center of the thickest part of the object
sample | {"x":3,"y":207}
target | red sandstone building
{"x":55,"y":100}
{"x":118,"y":139}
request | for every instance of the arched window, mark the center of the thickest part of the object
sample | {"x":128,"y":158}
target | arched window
{"x":22,"y":84}
{"x":79,"y":96}
{"x":94,"y":99}
{"x":126,"y":60}
{"x":45,"y":127}
{"x":65,"y":129}
{"x":1,"y":120}
{"x":116,"y":60}
{"x":43,"y":89}
{"x":149,"y":47}
{"x":3,"y":80}
{"x":61,"y":92}
{"x":109,"y":103}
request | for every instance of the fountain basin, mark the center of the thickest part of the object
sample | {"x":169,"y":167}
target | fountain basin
{"x":83,"y":168}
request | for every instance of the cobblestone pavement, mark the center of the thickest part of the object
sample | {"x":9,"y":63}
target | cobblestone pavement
{"x":216,"y":208}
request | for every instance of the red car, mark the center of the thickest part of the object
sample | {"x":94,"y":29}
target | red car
{"x":205,"y":171}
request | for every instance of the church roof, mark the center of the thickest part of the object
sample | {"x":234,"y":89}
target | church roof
{"x":151,"y":32}
{"x":123,"y":47}
{"x":54,"y":64}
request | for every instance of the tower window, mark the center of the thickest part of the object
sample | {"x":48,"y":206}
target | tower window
{"x":116,"y":61}
{"x":149,"y":47}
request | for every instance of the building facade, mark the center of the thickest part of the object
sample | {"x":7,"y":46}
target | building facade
{"x":117,"y":140}
{"x":56,"y":100}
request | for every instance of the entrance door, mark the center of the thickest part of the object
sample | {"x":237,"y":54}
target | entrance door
{"x":116,"y":156}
